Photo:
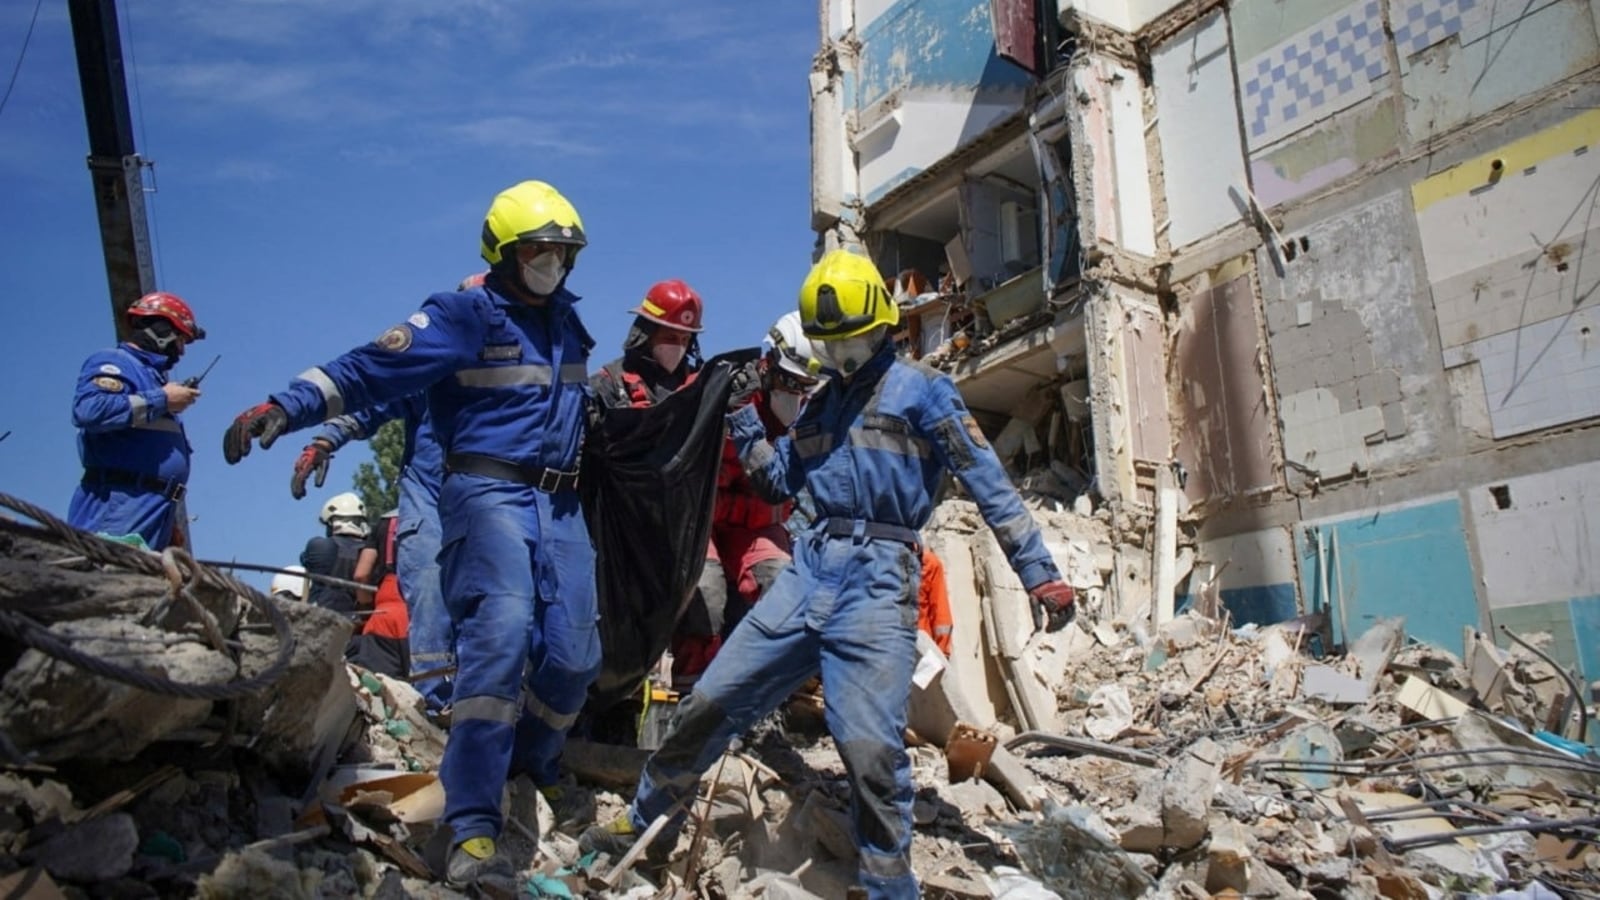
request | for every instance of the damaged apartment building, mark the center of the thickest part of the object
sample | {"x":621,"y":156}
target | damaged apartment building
{"x":1297,"y":292}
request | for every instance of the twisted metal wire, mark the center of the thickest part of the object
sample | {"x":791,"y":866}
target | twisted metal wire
{"x":101,"y":551}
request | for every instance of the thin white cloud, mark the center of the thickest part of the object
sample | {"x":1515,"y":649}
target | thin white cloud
{"x":254,"y":171}
{"x":522,"y":133}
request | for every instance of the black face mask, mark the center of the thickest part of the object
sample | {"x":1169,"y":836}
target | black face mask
{"x":157,"y":335}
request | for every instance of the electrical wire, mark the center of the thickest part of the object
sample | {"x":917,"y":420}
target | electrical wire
{"x":144,"y":141}
{"x":21,"y":55}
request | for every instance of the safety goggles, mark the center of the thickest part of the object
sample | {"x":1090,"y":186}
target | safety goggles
{"x":785,"y":380}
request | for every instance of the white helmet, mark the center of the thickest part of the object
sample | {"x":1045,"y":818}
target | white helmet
{"x":293,"y":585}
{"x":345,"y":514}
{"x":789,"y":348}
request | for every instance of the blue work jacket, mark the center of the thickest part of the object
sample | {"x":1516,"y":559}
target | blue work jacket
{"x":502,"y":378}
{"x":872,"y":450}
{"x":121,"y":414}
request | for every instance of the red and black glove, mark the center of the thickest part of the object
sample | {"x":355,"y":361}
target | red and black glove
{"x":314,"y":458}
{"x":263,"y":422}
{"x":1054,"y":604}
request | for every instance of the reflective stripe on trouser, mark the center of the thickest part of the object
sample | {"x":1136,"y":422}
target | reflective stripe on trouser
{"x":431,"y":637}
{"x":515,"y":563}
{"x":848,"y":608}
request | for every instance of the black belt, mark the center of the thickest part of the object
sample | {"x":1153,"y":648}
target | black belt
{"x":168,"y":489}
{"x":850,"y":527}
{"x":550,"y":481}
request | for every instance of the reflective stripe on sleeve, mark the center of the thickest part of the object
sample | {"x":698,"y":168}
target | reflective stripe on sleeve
{"x":332,"y":400}
{"x":1012,"y":532}
{"x":890,"y":441}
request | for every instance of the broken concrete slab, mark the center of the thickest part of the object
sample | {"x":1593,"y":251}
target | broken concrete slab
{"x":1428,"y":701}
{"x":1333,"y":686}
{"x":301,"y":720}
{"x":1376,"y":647}
{"x":54,"y":711}
{"x":977,"y":800}
{"x":1186,"y":795}
{"x":97,"y":850}
{"x":1072,"y":852}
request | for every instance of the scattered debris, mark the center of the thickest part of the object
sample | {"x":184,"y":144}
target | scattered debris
{"x":1111,"y":759}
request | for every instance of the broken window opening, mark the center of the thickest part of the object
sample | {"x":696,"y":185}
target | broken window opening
{"x":1064,"y":256}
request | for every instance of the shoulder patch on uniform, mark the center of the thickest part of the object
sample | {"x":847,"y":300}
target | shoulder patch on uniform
{"x":974,"y":432}
{"x":107,"y":383}
{"x":396,"y":339}
{"x":419,"y":319}
{"x":110,"y":369}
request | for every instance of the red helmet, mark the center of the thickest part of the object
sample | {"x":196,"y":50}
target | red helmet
{"x":673,"y":304}
{"x":162,"y":305}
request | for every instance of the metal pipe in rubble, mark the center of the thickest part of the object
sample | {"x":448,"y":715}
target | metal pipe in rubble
{"x":1577,"y":692}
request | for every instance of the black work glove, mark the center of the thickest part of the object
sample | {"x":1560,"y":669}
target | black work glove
{"x":314,"y":458}
{"x":264,"y":421}
{"x":1054,"y":604}
{"x":746,"y":381}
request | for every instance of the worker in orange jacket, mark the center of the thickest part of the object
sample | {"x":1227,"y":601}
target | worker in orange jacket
{"x":933,"y":602}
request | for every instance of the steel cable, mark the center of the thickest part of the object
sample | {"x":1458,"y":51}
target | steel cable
{"x":105,"y":552}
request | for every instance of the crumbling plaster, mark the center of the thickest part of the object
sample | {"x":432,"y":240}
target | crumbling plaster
{"x":1354,"y":348}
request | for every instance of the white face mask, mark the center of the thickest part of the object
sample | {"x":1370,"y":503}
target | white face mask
{"x":543,"y":273}
{"x":785,"y":406}
{"x":847,"y":355}
{"x":668,"y":356}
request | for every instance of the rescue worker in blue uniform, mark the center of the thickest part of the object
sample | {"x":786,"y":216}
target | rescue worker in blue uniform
{"x":505,"y":368}
{"x":870,"y":446}
{"x":431,"y":640}
{"x":132,"y":445}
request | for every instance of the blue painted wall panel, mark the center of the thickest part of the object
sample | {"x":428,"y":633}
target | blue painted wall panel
{"x":1409,"y":562}
{"x":1586,"y":634}
{"x":932,"y":44}
{"x":1262,"y":605}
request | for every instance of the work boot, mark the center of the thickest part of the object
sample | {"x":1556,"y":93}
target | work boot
{"x":614,"y":838}
{"x":474,"y":863}
{"x":570,"y":805}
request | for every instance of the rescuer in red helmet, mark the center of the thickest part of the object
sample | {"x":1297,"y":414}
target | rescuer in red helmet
{"x":134,"y":452}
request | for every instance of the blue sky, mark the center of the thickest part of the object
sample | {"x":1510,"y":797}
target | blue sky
{"x":321,"y":167}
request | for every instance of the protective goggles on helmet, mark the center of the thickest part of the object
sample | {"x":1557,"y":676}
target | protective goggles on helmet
{"x":785,"y":379}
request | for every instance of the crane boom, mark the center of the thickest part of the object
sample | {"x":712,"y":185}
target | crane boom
{"x":115,"y":168}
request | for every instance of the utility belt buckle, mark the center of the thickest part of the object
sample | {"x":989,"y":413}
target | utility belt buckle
{"x":553,"y":480}
{"x":176,"y":491}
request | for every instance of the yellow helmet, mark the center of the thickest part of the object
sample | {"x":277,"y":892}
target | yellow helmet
{"x":845,"y":296}
{"x":531,"y":211}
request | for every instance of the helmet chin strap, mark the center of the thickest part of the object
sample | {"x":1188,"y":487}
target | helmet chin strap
{"x":157,"y":339}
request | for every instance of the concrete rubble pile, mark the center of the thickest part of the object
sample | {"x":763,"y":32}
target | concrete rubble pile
{"x":1108,"y":759}
{"x":1114,"y":759}
{"x":112,"y":789}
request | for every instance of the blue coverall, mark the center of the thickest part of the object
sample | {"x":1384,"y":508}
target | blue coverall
{"x":870,"y":451}
{"x":505,"y":381}
{"x":430,"y":637}
{"x":134,"y":452}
